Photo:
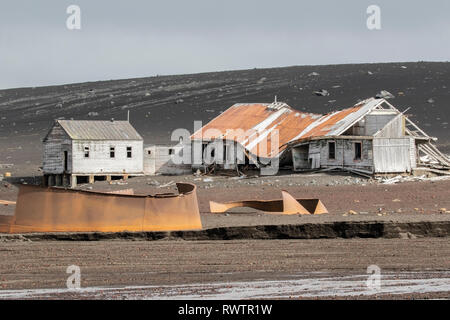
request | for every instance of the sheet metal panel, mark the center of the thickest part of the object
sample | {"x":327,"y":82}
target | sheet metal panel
{"x":42,"y":209}
{"x":99,"y":130}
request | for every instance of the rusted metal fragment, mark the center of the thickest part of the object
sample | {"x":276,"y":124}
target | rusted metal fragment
{"x":42,"y":209}
{"x":287,"y":205}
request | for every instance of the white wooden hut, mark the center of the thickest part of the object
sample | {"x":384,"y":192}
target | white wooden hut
{"x":82,"y":151}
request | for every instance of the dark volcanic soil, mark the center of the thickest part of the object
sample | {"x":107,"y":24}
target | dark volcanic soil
{"x":119,"y":263}
{"x":159,"y":105}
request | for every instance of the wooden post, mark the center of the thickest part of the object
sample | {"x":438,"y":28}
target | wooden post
{"x":58,"y":180}
{"x":65,"y":181}
{"x":51,"y":180}
{"x":108,"y":178}
{"x":73,"y":181}
{"x":91,"y":179}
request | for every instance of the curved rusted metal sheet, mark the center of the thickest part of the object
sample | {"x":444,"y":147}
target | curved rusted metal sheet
{"x":287,"y":205}
{"x":42,"y":209}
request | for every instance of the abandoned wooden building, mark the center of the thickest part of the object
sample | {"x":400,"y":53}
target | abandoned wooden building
{"x":372,"y":137}
{"x":160,"y":159}
{"x":78,"y":151}
{"x":247,"y":128}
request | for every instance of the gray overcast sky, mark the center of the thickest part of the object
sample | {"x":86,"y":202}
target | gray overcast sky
{"x":137,"y":38}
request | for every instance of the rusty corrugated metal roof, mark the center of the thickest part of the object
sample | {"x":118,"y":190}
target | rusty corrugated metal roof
{"x":99,"y":130}
{"x":258,"y":120}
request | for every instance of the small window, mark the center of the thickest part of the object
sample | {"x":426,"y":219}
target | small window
{"x":129,"y":152}
{"x":331,"y":150}
{"x":86,"y":152}
{"x":149,"y":152}
{"x":357,"y":150}
{"x":112,"y":152}
{"x":171,"y":151}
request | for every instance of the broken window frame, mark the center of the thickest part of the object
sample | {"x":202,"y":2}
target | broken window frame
{"x":129,"y":152}
{"x":112,"y":152}
{"x":357,"y":157}
{"x":332,"y":155}
{"x":86,"y":152}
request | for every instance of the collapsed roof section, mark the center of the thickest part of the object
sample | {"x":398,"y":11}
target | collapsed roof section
{"x":258,"y":120}
{"x":251,"y":125}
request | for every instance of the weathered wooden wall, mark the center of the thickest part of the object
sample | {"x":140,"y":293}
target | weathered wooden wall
{"x":158,"y":160}
{"x":99,"y":161}
{"x":375,"y":122}
{"x":300,"y":158}
{"x":55,"y":143}
{"x":392,"y":155}
{"x":345,"y":154}
{"x":394,"y":129}
{"x":318,"y":155}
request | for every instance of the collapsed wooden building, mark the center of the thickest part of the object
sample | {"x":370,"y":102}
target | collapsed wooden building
{"x":372,"y":137}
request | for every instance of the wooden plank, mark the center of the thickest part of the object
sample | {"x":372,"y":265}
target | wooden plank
{"x":6,"y":202}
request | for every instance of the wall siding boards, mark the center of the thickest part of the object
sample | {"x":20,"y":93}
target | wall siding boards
{"x":99,"y":161}
{"x":160,"y":161}
{"x":55,"y":143}
{"x":375,"y":122}
{"x":392,"y":155}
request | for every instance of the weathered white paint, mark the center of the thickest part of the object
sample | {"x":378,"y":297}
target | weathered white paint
{"x":375,"y":122}
{"x":392,"y":155}
{"x":318,"y":155}
{"x":395,"y":128}
{"x":100,"y":162}
{"x":368,"y":105}
{"x":160,"y":160}
{"x":413,"y":152}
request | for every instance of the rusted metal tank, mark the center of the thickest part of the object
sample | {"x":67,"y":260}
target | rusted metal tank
{"x":41,"y":209}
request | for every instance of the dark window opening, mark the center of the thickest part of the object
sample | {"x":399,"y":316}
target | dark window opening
{"x":66,"y":161}
{"x":357,"y":150}
{"x":171,"y":151}
{"x":149,"y":152}
{"x":129,"y":153}
{"x":112,"y":152}
{"x":331,"y":150}
{"x":86,"y":152}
